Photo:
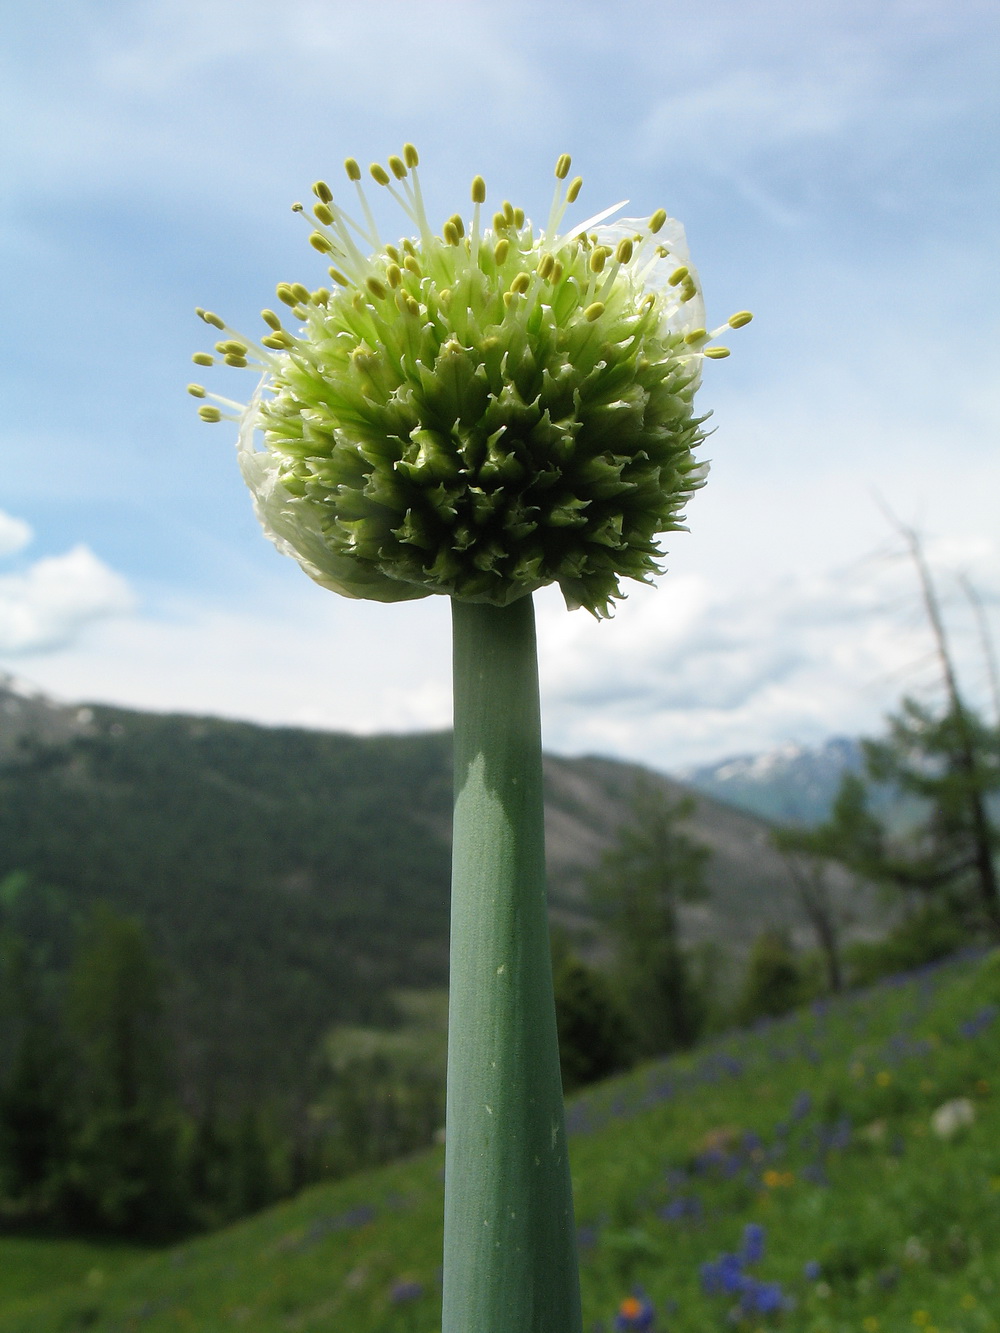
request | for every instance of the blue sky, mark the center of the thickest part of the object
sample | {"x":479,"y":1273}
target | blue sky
{"x":836,"y":169}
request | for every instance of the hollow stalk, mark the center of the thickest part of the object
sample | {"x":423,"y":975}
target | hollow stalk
{"x":510,"y":1261}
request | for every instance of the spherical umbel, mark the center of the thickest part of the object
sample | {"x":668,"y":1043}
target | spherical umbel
{"x":479,"y":412}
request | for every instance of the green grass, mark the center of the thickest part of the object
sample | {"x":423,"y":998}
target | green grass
{"x":818,"y":1127}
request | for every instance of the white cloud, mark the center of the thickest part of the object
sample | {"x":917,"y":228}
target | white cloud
{"x":15,"y":534}
{"x":48,"y":605}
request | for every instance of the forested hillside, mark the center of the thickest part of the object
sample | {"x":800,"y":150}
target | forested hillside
{"x":289,"y":880}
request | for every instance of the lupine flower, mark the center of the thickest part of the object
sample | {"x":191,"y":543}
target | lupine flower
{"x":635,"y":1312}
{"x":478,"y":411}
{"x":403,"y":1292}
{"x":812,"y":1270}
{"x":752,"y":1251}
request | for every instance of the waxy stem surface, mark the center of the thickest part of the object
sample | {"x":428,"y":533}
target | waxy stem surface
{"x":510,"y":1241}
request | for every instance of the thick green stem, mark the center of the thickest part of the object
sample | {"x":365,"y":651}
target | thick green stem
{"x":509,"y":1239}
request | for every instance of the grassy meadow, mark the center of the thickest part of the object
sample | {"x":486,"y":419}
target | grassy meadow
{"x":846,"y":1159}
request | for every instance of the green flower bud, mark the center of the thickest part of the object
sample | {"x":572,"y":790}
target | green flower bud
{"x":490,"y":415}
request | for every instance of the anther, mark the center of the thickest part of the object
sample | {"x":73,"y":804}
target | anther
{"x":319,"y":242}
{"x":478,"y":190}
{"x":323,"y":214}
{"x":597,"y":258}
{"x":695,"y":336}
{"x":376,"y":288}
{"x":410,"y":155}
{"x":196,"y":391}
{"x":338,"y":277}
{"x":393,"y":275}
{"x":624,"y":251}
{"x":508,"y":212}
{"x":209,"y":318}
{"x":739,"y":319}
{"x":270,"y":319}
{"x":209,"y":414}
{"x":563,"y":164}
{"x":450,"y":233}
{"x":233,"y":360}
{"x":277,"y":341}
{"x":688,"y":290}
{"x":284,"y":293}
{"x":657,"y":220}
{"x":545,"y":266}
{"x":521,"y":283}
{"x":300,"y":293}
{"x":499,"y":221}
{"x":500,"y":249}
{"x":379,"y":173}
{"x":594,"y":311}
{"x":397,"y":166}
{"x":519,"y":218}
{"x":203,"y":359}
{"x":352,"y":169}
{"x":411,"y":265}
{"x":575,"y":186}
{"x":678,"y":276}
{"x":322,"y":191}
{"x":320,"y":296}
{"x":393,"y":253}
{"x":298,"y":208}
{"x":716,"y":353}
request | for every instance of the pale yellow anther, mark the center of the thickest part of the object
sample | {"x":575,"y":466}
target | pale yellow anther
{"x":270,"y":319}
{"x":277,"y":341}
{"x":657,"y":220}
{"x":352,"y":169}
{"x":196,"y":391}
{"x":739,"y":319}
{"x":519,"y":218}
{"x":594,"y":311}
{"x":376,"y":288}
{"x":319,"y":242}
{"x":545,"y":266}
{"x":413,"y":306}
{"x":695,"y":336}
{"x":379,"y":173}
{"x":320,"y":296}
{"x":508,"y":212}
{"x":393,"y":253}
{"x":597,"y":257}
{"x":322,"y":191}
{"x":338,"y":277}
{"x":411,"y":265}
{"x":573,"y":190}
{"x":557,"y":273}
{"x":393,"y":275}
{"x":688,"y":290}
{"x":450,"y":233}
{"x":410,"y":156}
{"x":300,"y":293}
{"x":323,"y":214}
{"x":678,"y":276}
{"x":716,"y":353}
{"x":203,"y":359}
{"x":210,"y":318}
{"x":478,"y":190}
{"x":233,"y":360}
{"x":409,"y":247}
{"x":457,"y":223}
{"x":284,"y":293}
{"x":521,"y":283}
{"x":563,"y":164}
{"x":499,"y":221}
{"x":500,"y":250}
{"x":209,"y":414}
{"x":508,"y":298}
{"x":624,"y":251}
{"x":397,"y":166}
